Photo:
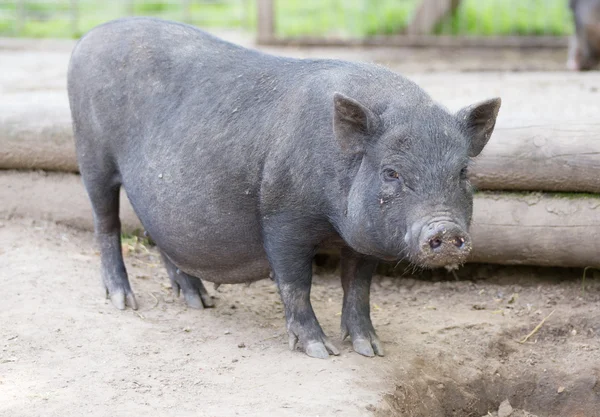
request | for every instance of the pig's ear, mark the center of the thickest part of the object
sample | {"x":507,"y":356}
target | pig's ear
{"x":478,"y":122}
{"x":353,"y":123}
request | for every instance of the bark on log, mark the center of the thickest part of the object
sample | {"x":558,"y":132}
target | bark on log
{"x":563,"y":157}
{"x":536,"y":229}
{"x":512,"y":229}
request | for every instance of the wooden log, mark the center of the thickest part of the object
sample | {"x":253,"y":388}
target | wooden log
{"x":423,"y":41}
{"x":536,"y":229}
{"x":559,"y":157}
{"x":56,"y":197}
{"x":36,"y":132}
{"x":530,"y":158}
{"x":533,"y":158}
{"x":512,"y":229}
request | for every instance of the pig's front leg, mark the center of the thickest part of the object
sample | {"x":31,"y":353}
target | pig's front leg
{"x":291,"y":258}
{"x":357,"y":271}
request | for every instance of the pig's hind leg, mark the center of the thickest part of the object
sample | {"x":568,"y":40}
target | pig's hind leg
{"x":194,"y":292}
{"x":103,"y":186}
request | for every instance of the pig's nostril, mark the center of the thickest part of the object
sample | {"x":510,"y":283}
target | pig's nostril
{"x":435,"y":243}
{"x":458,"y":241}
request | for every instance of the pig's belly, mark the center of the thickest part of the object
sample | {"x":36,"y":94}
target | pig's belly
{"x":220,"y":244}
{"x":249,"y":271}
{"x":223,"y":251}
{"x":217,"y":254}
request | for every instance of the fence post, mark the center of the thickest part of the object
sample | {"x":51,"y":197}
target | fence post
{"x":186,"y":11}
{"x":75,"y":17}
{"x":428,"y":14}
{"x":266,"y":20}
{"x":20,"y":21}
{"x":130,"y":8}
{"x":247,"y":15}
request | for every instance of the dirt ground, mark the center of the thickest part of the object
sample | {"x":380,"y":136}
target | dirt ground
{"x":451,"y":345}
{"x":451,"y":340}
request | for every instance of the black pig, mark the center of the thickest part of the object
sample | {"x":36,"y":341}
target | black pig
{"x":239,"y":163}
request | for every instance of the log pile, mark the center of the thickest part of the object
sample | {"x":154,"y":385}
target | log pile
{"x":539,"y":202}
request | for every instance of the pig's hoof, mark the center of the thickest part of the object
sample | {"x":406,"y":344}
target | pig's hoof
{"x":365,"y":343}
{"x":194,"y":292}
{"x":368,"y":348}
{"x":317,"y":350}
{"x":122,"y":298}
{"x":320,"y":349}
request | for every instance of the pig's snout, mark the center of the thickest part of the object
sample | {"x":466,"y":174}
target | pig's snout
{"x":443,"y":243}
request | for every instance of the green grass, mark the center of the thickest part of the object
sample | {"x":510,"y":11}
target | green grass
{"x":352,"y":18}
{"x":135,"y":238}
{"x":346,"y":18}
{"x":502,"y":17}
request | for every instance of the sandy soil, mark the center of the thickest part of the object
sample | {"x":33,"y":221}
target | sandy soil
{"x":451,"y":345}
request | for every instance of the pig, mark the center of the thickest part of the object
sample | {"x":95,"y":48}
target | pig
{"x":584,"y":48}
{"x":240,"y":163}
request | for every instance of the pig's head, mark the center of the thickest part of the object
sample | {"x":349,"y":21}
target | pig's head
{"x":410,"y":197}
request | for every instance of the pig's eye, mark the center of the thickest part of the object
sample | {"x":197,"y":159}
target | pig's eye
{"x":390,"y":175}
{"x":463,"y":173}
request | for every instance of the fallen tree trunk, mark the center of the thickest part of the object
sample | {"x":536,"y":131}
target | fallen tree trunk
{"x":56,"y":197}
{"x":36,"y":133}
{"x":545,"y":158}
{"x":536,"y":229}
{"x":513,"y":229}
